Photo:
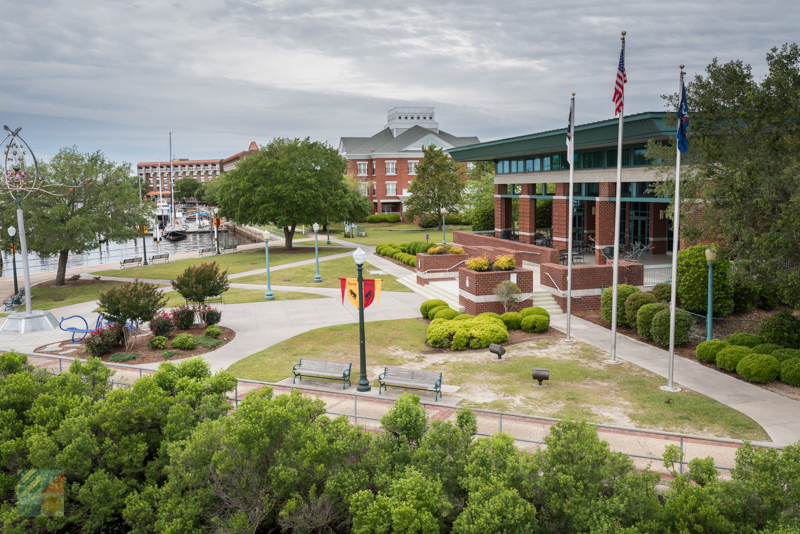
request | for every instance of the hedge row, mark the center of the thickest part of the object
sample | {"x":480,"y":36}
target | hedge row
{"x":380,"y":218}
{"x":753,"y":360}
{"x":397,"y":252}
{"x":640,"y":310}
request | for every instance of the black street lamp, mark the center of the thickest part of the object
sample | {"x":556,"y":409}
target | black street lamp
{"x":142,"y":228}
{"x":363,"y":383}
{"x":12,"y":232}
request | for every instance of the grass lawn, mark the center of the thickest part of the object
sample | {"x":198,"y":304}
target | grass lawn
{"x":329,"y":270}
{"x":241,"y":296}
{"x":47,"y":298}
{"x":397,"y":233}
{"x":581,"y":386}
{"x":235,"y":263}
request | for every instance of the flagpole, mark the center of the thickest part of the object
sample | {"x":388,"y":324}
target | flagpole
{"x":571,"y":155}
{"x":617,"y":210}
{"x":676,"y":240}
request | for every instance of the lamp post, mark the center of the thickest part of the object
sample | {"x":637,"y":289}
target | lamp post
{"x":12,"y":232}
{"x":317,"y":277}
{"x":363,"y":383}
{"x":143,"y":229}
{"x":328,"y":229}
{"x":711,"y":257}
{"x":216,"y":228}
{"x":444,"y":239}
{"x":268,"y":295}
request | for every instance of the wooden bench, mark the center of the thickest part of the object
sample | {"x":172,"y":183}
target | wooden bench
{"x":411,"y":379}
{"x":208,"y":250}
{"x":15,"y":300}
{"x":323,"y":369}
{"x":155,"y":257}
{"x":229,"y":247}
{"x":130,"y":261}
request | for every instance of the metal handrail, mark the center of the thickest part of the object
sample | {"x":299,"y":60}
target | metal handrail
{"x":558,"y":288}
{"x":453,"y":267}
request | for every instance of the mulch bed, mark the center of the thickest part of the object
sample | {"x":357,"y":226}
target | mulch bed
{"x":148,"y":354}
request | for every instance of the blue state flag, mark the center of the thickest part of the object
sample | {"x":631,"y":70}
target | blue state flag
{"x":683,"y":121}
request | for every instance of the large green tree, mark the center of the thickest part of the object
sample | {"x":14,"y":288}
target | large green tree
{"x":438,"y":186}
{"x":108,"y":206}
{"x":290,"y":182}
{"x":208,"y":191}
{"x":741,"y":176}
{"x":187,"y":187}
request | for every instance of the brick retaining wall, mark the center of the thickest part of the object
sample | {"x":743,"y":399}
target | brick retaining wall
{"x":588,"y":282}
{"x":476,"y":290}
{"x":444,"y":266}
{"x":531,"y":253}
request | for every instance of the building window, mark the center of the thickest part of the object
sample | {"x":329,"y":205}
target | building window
{"x":470,"y":166}
{"x":592,"y":190}
{"x":499,"y":167}
{"x":391,"y":189}
{"x":505,"y":167}
{"x":529,"y":165}
{"x":362,"y":168}
{"x":412,"y":167}
{"x":513,"y":165}
{"x":638,"y":156}
{"x":537,"y":164}
{"x":391,"y":168}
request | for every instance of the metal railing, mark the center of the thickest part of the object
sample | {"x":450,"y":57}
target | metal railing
{"x":657,"y":274}
{"x":448,"y":269}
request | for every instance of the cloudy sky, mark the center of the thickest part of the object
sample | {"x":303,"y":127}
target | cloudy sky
{"x":117,"y":76}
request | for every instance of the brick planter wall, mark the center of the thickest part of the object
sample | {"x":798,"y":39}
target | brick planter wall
{"x":448,"y":262}
{"x":530,"y":253}
{"x":476,"y":290}
{"x":588,"y":282}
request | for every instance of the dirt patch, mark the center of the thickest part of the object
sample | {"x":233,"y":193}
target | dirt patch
{"x":146,"y":353}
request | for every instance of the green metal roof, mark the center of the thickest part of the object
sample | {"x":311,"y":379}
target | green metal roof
{"x":639,"y":127}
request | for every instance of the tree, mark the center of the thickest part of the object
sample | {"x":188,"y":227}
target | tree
{"x":208,"y":191}
{"x":200,"y":282}
{"x":108,"y":206}
{"x":287,"y":183}
{"x":508,"y":294}
{"x":132,"y":302}
{"x":438,"y":186}
{"x":478,"y":194}
{"x":744,"y":163}
{"x":187,"y":187}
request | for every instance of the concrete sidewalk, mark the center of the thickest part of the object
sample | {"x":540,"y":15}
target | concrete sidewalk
{"x":778,"y":415}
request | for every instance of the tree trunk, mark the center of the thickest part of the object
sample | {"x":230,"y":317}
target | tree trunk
{"x":288,"y":234}
{"x":61,"y":273}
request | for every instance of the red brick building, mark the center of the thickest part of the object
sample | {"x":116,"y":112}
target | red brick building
{"x":386,"y":162}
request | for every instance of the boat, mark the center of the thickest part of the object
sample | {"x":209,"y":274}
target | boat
{"x":173,"y":231}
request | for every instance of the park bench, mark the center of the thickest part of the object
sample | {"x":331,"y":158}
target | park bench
{"x":210,"y":299}
{"x":209,"y":250}
{"x":15,"y":300}
{"x":229,"y":247}
{"x":130,"y":261}
{"x":155,"y":257}
{"x":323,"y":369}
{"x":411,"y":379}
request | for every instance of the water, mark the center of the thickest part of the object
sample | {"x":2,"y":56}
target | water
{"x":114,"y":252}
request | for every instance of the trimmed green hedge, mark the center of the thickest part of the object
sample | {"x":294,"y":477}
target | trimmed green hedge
{"x":790,"y":372}
{"x":428,"y":305}
{"x":707,"y":350}
{"x":512,"y":320}
{"x":744,"y":340}
{"x":463,"y":317}
{"x":785,"y":354}
{"x":728,"y":358}
{"x":634,"y":302}
{"x":490,"y":314}
{"x":535,"y":323}
{"x":659,"y":328}
{"x":663,"y":292}
{"x":758,"y":368}
{"x":693,"y":282}
{"x":381,"y":217}
{"x":446,"y":314}
{"x":534,"y":311}
{"x":606,"y":301}
{"x":644,"y":318}
{"x":440,"y":332}
{"x":782,"y":328}
{"x":465,"y":334}
{"x":433,"y":311}
{"x":766,"y":348}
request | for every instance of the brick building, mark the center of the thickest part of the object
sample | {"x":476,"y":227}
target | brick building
{"x":386,"y":162}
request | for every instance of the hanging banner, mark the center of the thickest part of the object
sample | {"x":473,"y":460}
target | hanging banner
{"x":372,"y":291}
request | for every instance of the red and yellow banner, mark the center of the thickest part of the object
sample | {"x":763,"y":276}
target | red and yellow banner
{"x":372,"y":291}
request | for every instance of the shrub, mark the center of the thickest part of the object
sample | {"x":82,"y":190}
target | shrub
{"x":644,"y":318}
{"x":477,"y":334}
{"x":744,"y":340}
{"x":693,"y":282}
{"x":766,"y":348}
{"x":707,"y":350}
{"x":744,"y":297}
{"x":505,"y":263}
{"x":769,"y":296}
{"x":634,"y":302}
{"x":663,"y":292}
{"x":534,"y":311}
{"x":213,"y":332}
{"x":463,"y":317}
{"x":100,"y":342}
{"x":432,"y":313}
{"x":508,"y":294}
{"x":430,"y":221}
{"x":167,"y":354}
{"x":785,"y":354}
{"x":483,"y":219}
{"x":392,"y":217}
{"x":440,"y":332}
{"x":659,"y":328}
{"x":446,"y":314}
{"x":162,"y":324}
{"x":456,"y":250}
{"x":183,"y":317}
{"x":158,"y":342}
{"x":728,"y":358}
{"x":606,"y":301}
{"x":782,"y":328}
{"x":199,"y":282}
{"x":119,"y":357}
{"x":479,"y":264}
{"x":184,"y":342}
{"x":429,"y":305}
{"x":512,"y":320}
{"x":535,"y":323}
{"x":207,"y":342}
{"x":492,"y":315}
{"x":790,"y":372}
{"x":453,"y":218}
{"x":758,"y":368}
{"x":133,"y":302}
{"x":383,"y":217}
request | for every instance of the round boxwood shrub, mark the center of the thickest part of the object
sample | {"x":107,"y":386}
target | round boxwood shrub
{"x":489,"y":314}
{"x":492,"y":318}
{"x":728,"y":358}
{"x":433,"y":311}
{"x":606,"y":301}
{"x":213,"y":332}
{"x":429,"y":305}
{"x":659,"y":328}
{"x":766,"y":348}
{"x":663,"y":292}
{"x":707,"y":350}
{"x":184,"y":342}
{"x":693,"y":282}
{"x":634,"y":302}
{"x":478,"y":334}
{"x":782,"y":328}
{"x":758,"y":368}
{"x":534,"y":311}
{"x":644,"y":318}
{"x":535,"y":323}
{"x":511,"y":320}
{"x":785,"y":354}
{"x":463,"y":317}
{"x":744,"y":340}
{"x":790,"y":372}
{"x":158,"y":342}
{"x":440,"y":333}
{"x":446,"y":314}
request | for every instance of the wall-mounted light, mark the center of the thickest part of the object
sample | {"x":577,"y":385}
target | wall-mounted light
{"x":661,"y":214}
{"x":592,"y":210}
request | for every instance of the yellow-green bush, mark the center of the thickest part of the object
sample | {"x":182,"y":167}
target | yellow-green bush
{"x":505,"y":263}
{"x":447,"y":314}
{"x":479,"y":264}
{"x":511,"y":320}
{"x":463,"y":317}
{"x":785,"y":354}
{"x":728,"y":358}
{"x":428,"y":305}
{"x":534,"y":311}
{"x":790,"y":372}
{"x":432,"y":312}
{"x":644,"y":318}
{"x":634,"y":302}
{"x":466,"y":334}
{"x":535,"y":323}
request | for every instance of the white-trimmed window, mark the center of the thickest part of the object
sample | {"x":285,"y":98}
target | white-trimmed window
{"x":412,"y":167}
{"x":362,"y":168}
{"x":391,"y":168}
{"x":391,"y":189}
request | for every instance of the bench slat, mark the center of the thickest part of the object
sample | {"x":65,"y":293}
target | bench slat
{"x":323,"y":369}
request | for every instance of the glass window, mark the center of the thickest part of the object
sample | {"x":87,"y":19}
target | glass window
{"x":564,"y":162}
{"x":391,"y":188}
{"x":577,"y":189}
{"x":592,"y":190}
{"x":597,"y":160}
{"x":513,"y":165}
{"x":577,"y":160}
{"x":546,"y":163}
{"x":626,"y":157}
{"x":505,"y":167}
{"x":362,"y":169}
{"x":627,"y":189}
{"x":556,"y":164}
{"x":390,"y":167}
{"x":643,"y":187}
{"x":521,"y":166}
{"x":611,"y":157}
{"x":499,"y":169}
{"x":412,"y":167}
{"x":537,"y":165}
{"x":529,"y":165}
{"x":587,"y":160}
{"x":638,"y":156}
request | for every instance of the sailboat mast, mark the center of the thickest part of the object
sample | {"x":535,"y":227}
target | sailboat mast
{"x":171,"y":185}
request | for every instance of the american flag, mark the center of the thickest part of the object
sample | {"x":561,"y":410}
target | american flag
{"x":619,"y":87}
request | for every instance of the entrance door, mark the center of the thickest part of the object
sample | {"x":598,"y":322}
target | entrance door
{"x":578,"y":220}
{"x":640,"y":224}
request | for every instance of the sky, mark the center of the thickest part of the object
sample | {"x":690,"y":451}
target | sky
{"x":118,"y":76}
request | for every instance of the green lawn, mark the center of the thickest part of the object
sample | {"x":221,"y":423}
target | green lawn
{"x":581,"y":386}
{"x":235,"y":263}
{"x":241,"y":296}
{"x":47,"y":298}
{"x":329,"y":270}
{"x":397,"y":233}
